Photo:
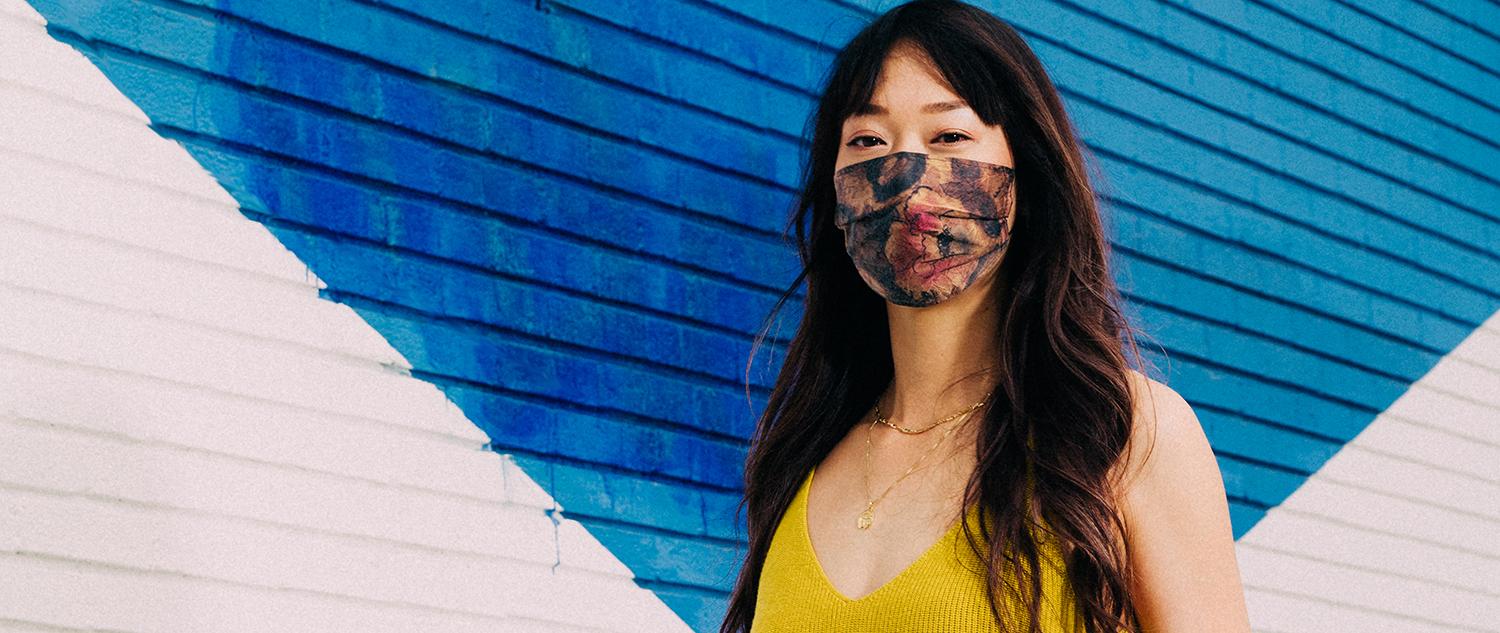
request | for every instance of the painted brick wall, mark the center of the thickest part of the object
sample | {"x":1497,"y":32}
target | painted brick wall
{"x":551,"y":229}
{"x":193,"y":439}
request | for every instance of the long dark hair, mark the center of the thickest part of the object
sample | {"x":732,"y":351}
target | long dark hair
{"x":1061,"y":413}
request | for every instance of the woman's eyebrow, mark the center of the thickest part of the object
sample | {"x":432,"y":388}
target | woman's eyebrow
{"x":931,"y":108}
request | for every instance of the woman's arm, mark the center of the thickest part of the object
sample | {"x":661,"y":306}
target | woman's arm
{"x":1178,"y":533}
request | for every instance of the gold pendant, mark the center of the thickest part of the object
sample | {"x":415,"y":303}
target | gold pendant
{"x":866,"y":518}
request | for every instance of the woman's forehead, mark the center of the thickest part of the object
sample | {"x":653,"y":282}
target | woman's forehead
{"x":909,"y":86}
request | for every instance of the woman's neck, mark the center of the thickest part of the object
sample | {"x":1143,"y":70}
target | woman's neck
{"x":938,"y":346}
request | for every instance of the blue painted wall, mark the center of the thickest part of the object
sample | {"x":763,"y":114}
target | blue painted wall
{"x":567,"y":215}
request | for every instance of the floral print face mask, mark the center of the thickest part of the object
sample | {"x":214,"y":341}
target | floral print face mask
{"x":922,"y":228}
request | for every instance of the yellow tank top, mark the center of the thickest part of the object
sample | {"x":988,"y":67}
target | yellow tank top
{"x":943,"y":590}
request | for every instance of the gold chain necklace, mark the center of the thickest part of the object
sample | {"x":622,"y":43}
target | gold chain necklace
{"x":867,"y":518}
{"x":887,"y":421}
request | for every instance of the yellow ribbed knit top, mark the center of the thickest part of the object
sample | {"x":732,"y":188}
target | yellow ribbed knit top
{"x":943,"y":590}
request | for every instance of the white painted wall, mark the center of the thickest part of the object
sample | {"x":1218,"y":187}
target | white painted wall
{"x":1400,"y":531}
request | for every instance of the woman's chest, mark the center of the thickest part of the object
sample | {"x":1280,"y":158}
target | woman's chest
{"x":864,"y":532}
{"x":941,"y":589}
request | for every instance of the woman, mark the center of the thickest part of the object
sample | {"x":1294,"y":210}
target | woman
{"x":955,"y":441}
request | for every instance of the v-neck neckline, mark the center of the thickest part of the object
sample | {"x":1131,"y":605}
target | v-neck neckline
{"x":905,"y":572}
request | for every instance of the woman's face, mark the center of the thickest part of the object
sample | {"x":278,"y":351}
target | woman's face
{"x":928,"y":254}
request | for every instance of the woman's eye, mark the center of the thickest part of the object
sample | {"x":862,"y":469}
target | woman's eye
{"x":952,"y":137}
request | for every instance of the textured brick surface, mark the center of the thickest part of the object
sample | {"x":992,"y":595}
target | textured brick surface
{"x":566,"y":216}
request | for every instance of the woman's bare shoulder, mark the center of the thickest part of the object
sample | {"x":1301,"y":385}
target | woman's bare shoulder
{"x":1164,"y":426}
{"x":1177,"y":519}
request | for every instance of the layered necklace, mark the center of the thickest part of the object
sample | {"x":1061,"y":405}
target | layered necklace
{"x":867,"y":517}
